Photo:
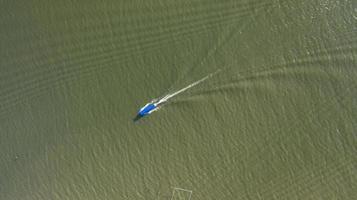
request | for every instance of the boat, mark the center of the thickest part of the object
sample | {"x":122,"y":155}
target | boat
{"x":149,"y":108}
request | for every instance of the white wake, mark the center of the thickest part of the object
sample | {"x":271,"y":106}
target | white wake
{"x":169,"y":96}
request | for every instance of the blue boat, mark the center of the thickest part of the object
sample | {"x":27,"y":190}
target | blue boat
{"x":147,"y":109}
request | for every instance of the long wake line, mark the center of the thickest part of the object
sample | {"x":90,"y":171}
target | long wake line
{"x":169,"y":96}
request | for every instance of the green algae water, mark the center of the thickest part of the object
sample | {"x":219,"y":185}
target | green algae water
{"x":277,"y":122}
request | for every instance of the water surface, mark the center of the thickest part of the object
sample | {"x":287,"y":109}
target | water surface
{"x":278,"y":121}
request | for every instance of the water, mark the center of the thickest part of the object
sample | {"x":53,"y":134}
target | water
{"x":278,"y":122}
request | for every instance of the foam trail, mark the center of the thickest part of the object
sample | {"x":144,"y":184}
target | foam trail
{"x":169,"y":96}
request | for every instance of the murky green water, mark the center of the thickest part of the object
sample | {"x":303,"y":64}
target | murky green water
{"x":277,"y":122}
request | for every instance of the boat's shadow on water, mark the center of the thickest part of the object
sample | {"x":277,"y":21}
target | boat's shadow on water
{"x":137,"y":118}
